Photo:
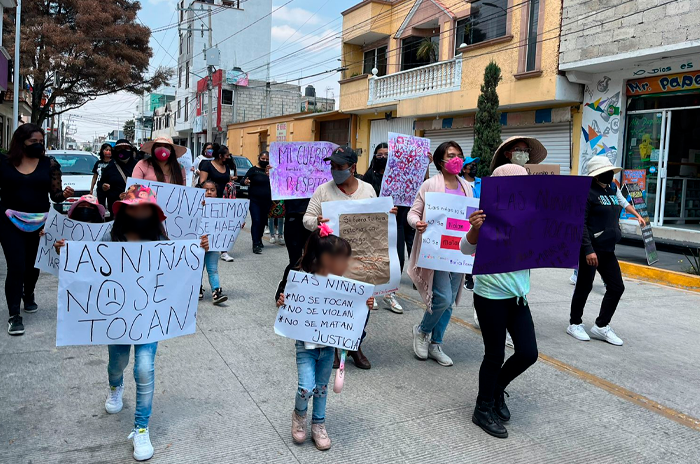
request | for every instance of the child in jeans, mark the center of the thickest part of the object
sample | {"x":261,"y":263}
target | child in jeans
{"x":211,"y":258}
{"x":324,"y":254}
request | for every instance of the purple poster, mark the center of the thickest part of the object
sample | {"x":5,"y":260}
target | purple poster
{"x":298,"y":168}
{"x":531,"y":223}
{"x":405,"y":168}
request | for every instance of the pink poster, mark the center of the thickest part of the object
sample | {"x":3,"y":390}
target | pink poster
{"x":405,"y":169}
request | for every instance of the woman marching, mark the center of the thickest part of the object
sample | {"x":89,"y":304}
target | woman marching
{"x":500,"y":301}
{"x":162,"y":165}
{"x":217,"y":170}
{"x":324,"y":254}
{"x":138,"y":218}
{"x":260,"y":195}
{"x":113,"y":179}
{"x":440,"y":290}
{"x":27,"y":179}
{"x":105,"y":157}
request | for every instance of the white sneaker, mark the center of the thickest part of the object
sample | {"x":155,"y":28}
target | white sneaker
{"x":267,"y":230}
{"x":114,"y":402}
{"x":573,"y":279}
{"x":509,"y":341}
{"x":476,"y":320}
{"x":392,"y":304}
{"x":435,"y":352}
{"x":421,"y":343}
{"x":226,"y":257}
{"x":143,"y":450}
{"x":607,"y":334}
{"x":578,"y":331}
{"x":273,"y":240}
{"x":280,"y":239}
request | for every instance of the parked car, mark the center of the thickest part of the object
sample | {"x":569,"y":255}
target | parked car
{"x":242,"y":166}
{"x":76,"y":167}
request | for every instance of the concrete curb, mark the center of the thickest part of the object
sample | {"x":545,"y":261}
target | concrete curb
{"x":661,"y":276}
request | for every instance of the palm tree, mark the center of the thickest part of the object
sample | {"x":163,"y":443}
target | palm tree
{"x":427,"y":50}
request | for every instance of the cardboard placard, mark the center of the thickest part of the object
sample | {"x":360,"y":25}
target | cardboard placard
{"x":543,"y":169}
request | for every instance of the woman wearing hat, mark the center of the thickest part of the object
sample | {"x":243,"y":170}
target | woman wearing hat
{"x":601,"y":231}
{"x":113,"y":179}
{"x":519,"y":150}
{"x":162,"y":165}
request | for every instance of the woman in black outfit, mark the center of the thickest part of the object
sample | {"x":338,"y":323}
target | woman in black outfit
{"x":105,"y":157}
{"x":113,"y":179}
{"x":217,"y":170}
{"x":27,"y":178}
{"x":260,"y":195}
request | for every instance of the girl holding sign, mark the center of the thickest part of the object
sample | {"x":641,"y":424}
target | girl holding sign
{"x":500,"y":301}
{"x":324,"y":254}
{"x":440,"y":290}
{"x":211,"y":258}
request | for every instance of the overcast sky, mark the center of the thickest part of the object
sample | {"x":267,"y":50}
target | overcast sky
{"x":294,"y":26}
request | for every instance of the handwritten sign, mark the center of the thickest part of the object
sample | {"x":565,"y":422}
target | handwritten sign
{"x":59,"y":227}
{"x":543,"y":169}
{"x":182,"y":207}
{"x":329,"y":311}
{"x":405,"y":169}
{"x":446,"y":216}
{"x":222,"y":220}
{"x":120,"y":293}
{"x":371,"y":230}
{"x":298,"y":168}
{"x":633,"y":176}
{"x":637,"y":196}
{"x":531,"y":224}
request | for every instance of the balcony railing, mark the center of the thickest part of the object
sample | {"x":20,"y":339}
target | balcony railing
{"x":431,"y":79}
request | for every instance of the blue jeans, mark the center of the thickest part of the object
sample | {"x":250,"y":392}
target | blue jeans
{"x":144,"y":375}
{"x":275,"y":223}
{"x":211,"y":262}
{"x":314,"y":368}
{"x":445,"y":289}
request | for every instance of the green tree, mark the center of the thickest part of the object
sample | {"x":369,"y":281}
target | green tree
{"x":428,"y":50}
{"x":130,"y":130}
{"x":487,"y":126}
{"x":74,"y":51}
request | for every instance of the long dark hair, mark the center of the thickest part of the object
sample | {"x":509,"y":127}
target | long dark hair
{"x":21,"y":135}
{"x":441,"y":151}
{"x":152,"y":234}
{"x":376,"y":150}
{"x":214,"y":147}
{"x":223,"y":149}
{"x":102,"y":150}
{"x":317,"y":246}
{"x":173,"y":164}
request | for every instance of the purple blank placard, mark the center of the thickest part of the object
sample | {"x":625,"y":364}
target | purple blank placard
{"x":531,"y":223}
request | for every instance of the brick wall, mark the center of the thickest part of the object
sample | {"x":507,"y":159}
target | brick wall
{"x":252,"y":102}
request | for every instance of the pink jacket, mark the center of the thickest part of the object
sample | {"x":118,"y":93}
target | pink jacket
{"x":423,"y":278}
{"x":144,"y":170}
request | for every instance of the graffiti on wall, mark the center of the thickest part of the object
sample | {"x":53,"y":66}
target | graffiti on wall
{"x":601,"y":121}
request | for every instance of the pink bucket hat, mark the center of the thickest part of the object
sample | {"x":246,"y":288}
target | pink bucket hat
{"x":509,"y":170}
{"x":139,"y":195}
{"x":87,"y":199}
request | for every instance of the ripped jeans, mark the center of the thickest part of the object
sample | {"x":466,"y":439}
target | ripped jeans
{"x":314,"y":368}
{"x":144,"y":375}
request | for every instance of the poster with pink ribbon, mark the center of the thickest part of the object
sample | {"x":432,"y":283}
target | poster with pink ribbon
{"x":409,"y":157}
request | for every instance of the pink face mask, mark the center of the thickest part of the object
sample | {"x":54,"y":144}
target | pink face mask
{"x":454,"y":166}
{"x":161,"y":153}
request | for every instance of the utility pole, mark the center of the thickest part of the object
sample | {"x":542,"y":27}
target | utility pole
{"x":210,"y":86}
{"x":15,"y":101}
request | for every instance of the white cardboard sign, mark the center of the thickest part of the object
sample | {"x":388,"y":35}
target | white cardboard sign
{"x":59,"y":227}
{"x":447,"y":216}
{"x":222,"y":220}
{"x":127,"y":293}
{"x":329,"y":311}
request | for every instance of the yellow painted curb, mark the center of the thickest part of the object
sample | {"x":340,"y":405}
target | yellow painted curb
{"x":661,"y":276}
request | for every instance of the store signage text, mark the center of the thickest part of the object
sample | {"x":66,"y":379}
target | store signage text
{"x":670,"y":83}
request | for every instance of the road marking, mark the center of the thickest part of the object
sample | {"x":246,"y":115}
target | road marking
{"x":620,"y":392}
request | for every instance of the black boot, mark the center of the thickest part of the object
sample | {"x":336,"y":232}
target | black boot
{"x":359,"y":358}
{"x":485,"y":418}
{"x":500,"y":407}
{"x":30,"y":305}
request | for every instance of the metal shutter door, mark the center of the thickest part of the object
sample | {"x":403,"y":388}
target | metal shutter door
{"x":556,"y":138}
{"x":380,"y":128}
{"x":464,"y":137}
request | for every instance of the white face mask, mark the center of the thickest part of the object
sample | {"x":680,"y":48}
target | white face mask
{"x":520,"y":158}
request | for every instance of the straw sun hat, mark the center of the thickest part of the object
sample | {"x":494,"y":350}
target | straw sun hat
{"x":537,"y":151}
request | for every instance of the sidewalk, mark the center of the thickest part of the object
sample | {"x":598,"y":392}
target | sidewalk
{"x":225,"y":394}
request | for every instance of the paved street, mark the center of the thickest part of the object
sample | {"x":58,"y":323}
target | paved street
{"x":226,"y":393}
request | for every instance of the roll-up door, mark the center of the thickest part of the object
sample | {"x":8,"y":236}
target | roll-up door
{"x":464,"y":137}
{"x":380,"y":128}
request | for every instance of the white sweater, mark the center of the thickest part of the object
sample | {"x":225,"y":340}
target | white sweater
{"x":330,"y":192}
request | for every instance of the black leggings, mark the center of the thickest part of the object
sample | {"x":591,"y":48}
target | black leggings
{"x":20,"y":253}
{"x":405,"y":234}
{"x":495,"y":316}
{"x":609,"y":270}
{"x":259,"y":210}
{"x":295,"y":237}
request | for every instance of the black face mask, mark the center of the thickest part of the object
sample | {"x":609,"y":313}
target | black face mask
{"x":145,"y":228}
{"x":124,"y":155}
{"x":86,"y":215}
{"x":35,"y":150}
{"x":380,"y":163}
{"x":606,"y":177}
{"x":263,"y":164}
{"x":471,"y":171}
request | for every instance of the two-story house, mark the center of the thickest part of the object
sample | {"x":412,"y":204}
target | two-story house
{"x":417,"y":66}
{"x":639,"y":65}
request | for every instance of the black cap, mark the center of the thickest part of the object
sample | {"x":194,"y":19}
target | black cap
{"x":123,"y":142}
{"x":343,"y":155}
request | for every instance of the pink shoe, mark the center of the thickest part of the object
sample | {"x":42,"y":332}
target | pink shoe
{"x":320,"y":437}
{"x":298,"y":428}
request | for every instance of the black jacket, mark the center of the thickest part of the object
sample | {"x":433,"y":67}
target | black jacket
{"x":112,"y":176}
{"x":374,"y":178}
{"x":601,"y":230}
